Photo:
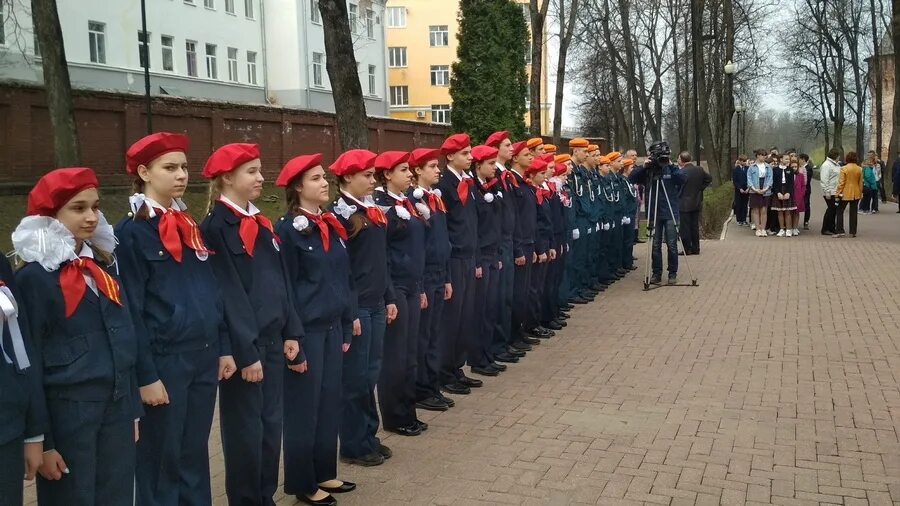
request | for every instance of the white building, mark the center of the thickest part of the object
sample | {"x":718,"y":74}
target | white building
{"x":250,"y":51}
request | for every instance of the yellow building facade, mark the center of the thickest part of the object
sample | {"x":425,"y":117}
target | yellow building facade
{"x":421,"y":46}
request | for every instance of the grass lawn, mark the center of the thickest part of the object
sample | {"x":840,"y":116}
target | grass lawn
{"x":114,"y":203}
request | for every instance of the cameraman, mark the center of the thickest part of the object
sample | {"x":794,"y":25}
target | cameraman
{"x":664,"y":222}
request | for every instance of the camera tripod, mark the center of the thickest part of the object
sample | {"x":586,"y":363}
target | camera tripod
{"x":656,"y":180}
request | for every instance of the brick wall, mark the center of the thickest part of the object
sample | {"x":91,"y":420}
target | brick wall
{"x":108,"y":123}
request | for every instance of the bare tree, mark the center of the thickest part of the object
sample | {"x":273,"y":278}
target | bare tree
{"x":895,"y":32}
{"x":57,"y":85}
{"x":538,"y":20}
{"x":567,"y":21}
{"x":349,"y":105}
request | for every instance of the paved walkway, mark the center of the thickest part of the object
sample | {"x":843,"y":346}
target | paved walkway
{"x":775,"y":381}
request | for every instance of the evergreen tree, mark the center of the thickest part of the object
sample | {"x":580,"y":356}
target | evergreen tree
{"x":488,"y":83}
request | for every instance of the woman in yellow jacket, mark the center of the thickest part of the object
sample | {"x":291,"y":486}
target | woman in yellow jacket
{"x":849,"y":191}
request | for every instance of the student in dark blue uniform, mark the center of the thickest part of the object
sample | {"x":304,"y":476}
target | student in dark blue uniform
{"x":581,"y":199}
{"x":458,"y":190}
{"x":318,"y":271}
{"x":376,"y":305}
{"x":86,"y":346}
{"x":630,"y":199}
{"x":406,"y":262}
{"x":487,"y":271}
{"x":561,"y":178}
{"x":261,"y":317}
{"x":23,"y":412}
{"x":178,"y":311}
{"x":535,"y":176}
{"x":524,"y":255}
{"x":500,"y":346}
{"x":428,"y":202}
{"x":552,"y":317}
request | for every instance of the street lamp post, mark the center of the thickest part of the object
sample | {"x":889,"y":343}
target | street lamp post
{"x":729,"y":70}
{"x":146,"y":65}
{"x":739,"y":110}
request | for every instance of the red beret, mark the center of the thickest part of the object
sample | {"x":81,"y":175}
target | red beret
{"x":496,"y":138}
{"x":419,"y":157}
{"x":537,"y":165}
{"x":58,"y":187}
{"x":152,"y":147}
{"x":454,"y":143}
{"x":297,"y":166}
{"x":547,"y":157}
{"x":353,"y":161}
{"x":482,"y":153}
{"x":390,"y":159}
{"x":518,"y":147}
{"x":229,"y":157}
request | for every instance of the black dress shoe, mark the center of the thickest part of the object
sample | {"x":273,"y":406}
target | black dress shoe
{"x":369,"y":460}
{"x":412,"y":430}
{"x":456,"y":388}
{"x":566,"y":306}
{"x":432,"y":404}
{"x":579,"y":300}
{"x":470,"y":382}
{"x":347,"y":486}
{"x":561,"y":321}
{"x":519,"y":347}
{"x":421,"y":425}
{"x":563,"y":316}
{"x":384,"y":451}
{"x":531,"y":340}
{"x":633,"y":268}
{"x":485,"y":371}
{"x":551,"y":325}
{"x":621,"y":272}
{"x":545,"y":331}
{"x":499,"y":367}
{"x":508,"y":358}
{"x":448,"y":401}
{"x":327,"y":501}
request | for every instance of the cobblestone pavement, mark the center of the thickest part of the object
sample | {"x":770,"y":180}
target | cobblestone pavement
{"x":774,"y":381}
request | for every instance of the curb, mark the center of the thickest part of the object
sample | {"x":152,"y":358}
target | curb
{"x":725,"y":227}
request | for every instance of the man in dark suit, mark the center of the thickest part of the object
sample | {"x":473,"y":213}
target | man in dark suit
{"x":691,"y":202}
{"x":810,"y":172}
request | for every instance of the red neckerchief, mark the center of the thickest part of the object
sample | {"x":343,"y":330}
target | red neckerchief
{"x":177,"y":227}
{"x":323,"y":221}
{"x":462,"y":189}
{"x":435,"y":203}
{"x":539,"y":193}
{"x":249,"y":227}
{"x":408,"y":205}
{"x":508,"y":179}
{"x":490,"y":184}
{"x":73,"y":285}
{"x":373,"y":213}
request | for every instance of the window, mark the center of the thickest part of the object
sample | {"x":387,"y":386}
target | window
{"x":354,"y":17}
{"x":372,"y":80}
{"x":440,"y":75}
{"x":97,"y":40}
{"x":37,"y":45}
{"x":317,"y":60}
{"x":370,"y":23}
{"x":212,"y":70}
{"x":232,"y":64}
{"x":190,"y":51}
{"x":143,"y":50}
{"x":168,"y":62}
{"x":396,"y":17}
{"x":397,"y":57}
{"x":189,"y":2}
{"x":248,"y":8}
{"x":209,"y":4}
{"x":314,"y":15}
{"x":438,"y":35}
{"x":440,"y":114}
{"x":251,"y":67}
{"x":229,"y":6}
{"x":399,"y":95}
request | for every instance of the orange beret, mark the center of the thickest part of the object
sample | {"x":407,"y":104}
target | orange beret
{"x":563,"y":158}
{"x":615,"y":155}
{"x":603,"y":160}
{"x":628,"y":162}
{"x":578,"y":143}
{"x":593,"y":147}
{"x":549,"y":148}
{"x":534,"y":142}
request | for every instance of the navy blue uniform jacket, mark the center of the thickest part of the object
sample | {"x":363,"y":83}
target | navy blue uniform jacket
{"x":490,"y":217}
{"x":177,"y":307}
{"x":437,"y":244}
{"x":526,"y":219}
{"x":462,"y":220}
{"x":321,"y":280}
{"x":259,"y":310}
{"x":507,"y":210}
{"x":405,"y":244}
{"x":89,"y":356}
{"x":23,"y":412}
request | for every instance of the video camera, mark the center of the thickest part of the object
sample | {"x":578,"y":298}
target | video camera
{"x":660,"y":156}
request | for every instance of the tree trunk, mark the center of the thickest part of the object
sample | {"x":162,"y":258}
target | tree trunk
{"x":728,"y":112}
{"x":538,"y":17}
{"x":895,"y":32}
{"x":676,"y":62}
{"x":340,"y":61}
{"x":566,"y":30}
{"x":56,"y":83}
{"x":696,"y":49}
{"x":638,"y":130}
{"x":879,"y":98}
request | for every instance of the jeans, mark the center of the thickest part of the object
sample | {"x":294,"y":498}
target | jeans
{"x":362,"y":366}
{"x":665,"y":227}
{"x":869,"y":200}
{"x":854,"y":204}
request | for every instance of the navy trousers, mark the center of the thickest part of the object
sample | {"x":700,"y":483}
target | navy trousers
{"x":362,"y":366}
{"x":96,"y":441}
{"x":428,"y":363}
{"x":550,"y":290}
{"x":312,"y":412}
{"x":505,"y":285}
{"x":173,"y":451}
{"x":12,"y":462}
{"x":250,"y":416}
{"x":521,"y":297}
{"x":487,"y":295}
{"x":457,"y":319}
{"x":397,"y":384}
{"x":579,"y":273}
{"x":535,"y":294}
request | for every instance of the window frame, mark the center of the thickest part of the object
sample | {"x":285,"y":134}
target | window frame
{"x":399,"y":91}
{"x":373,"y":80}
{"x":251,"y":68}
{"x":170,"y":49}
{"x":438,"y":70}
{"x":190,"y":56}
{"x":444,"y":110}
{"x":233,"y":75}
{"x":435,"y":30}
{"x":402,"y":53}
{"x":229,"y":3}
{"x":315,"y":16}
{"x":209,"y":4}
{"x":212,"y":63}
{"x":390,"y":16}
{"x":249,"y":9}
{"x":318,"y":69}
{"x":353,"y":17}
{"x":370,"y":24}
{"x":142,"y":53}
{"x":97,"y":42}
